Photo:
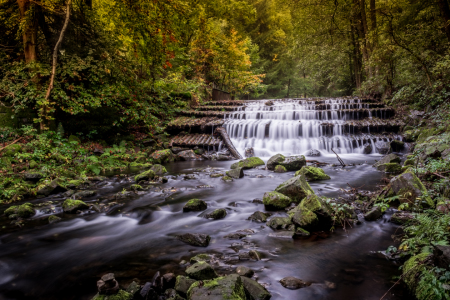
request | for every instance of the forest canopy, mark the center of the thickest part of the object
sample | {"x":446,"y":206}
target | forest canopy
{"x":139,"y":62}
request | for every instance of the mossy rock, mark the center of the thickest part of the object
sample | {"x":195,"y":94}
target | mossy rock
{"x":201,"y":271}
{"x":23,"y":211}
{"x":147,"y":175}
{"x":75,"y":183}
{"x":248,"y":163}
{"x":410,"y":190}
{"x":74,"y":138}
{"x":53,"y":219}
{"x":393,"y":168}
{"x":390,"y":158}
{"x":412,"y":269}
{"x":293,"y":163}
{"x":295,"y":188}
{"x":409,"y":162}
{"x":312,"y":173}
{"x":397,"y":145}
{"x":11,"y":150}
{"x":274,"y":161}
{"x":216,"y":175}
{"x":280,"y":169}
{"x":158,"y":169}
{"x":200,"y":257}
{"x":72,"y":206}
{"x":227,"y":179}
{"x":195,"y":205}
{"x":121,"y":295}
{"x":182,"y":284}
{"x":304,"y":218}
{"x":279,"y":222}
{"x":236,"y":173}
{"x":228,"y":287}
{"x":163,"y":156}
{"x":425,"y":134}
{"x":410,"y":135}
{"x":33,"y":164}
{"x":276,"y":201}
{"x":217,"y":214}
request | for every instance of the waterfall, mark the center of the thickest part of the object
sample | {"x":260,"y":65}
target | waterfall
{"x":295,"y":126}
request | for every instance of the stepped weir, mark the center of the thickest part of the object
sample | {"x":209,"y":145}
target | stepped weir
{"x":291,"y":126}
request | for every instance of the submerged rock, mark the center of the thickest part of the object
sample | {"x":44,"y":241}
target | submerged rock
{"x":228,"y":287}
{"x":276,"y":201}
{"x":312,"y":173}
{"x":367,"y":148}
{"x":195,"y":205}
{"x":236,"y":173}
{"x":201,"y":271}
{"x":227,"y":179}
{"x":248,"y":163}
{"x":53,"y":219}
{"x":72,"y":206}
{"x":313,"y":152}
{"x":249,"y":152}
{"x":195,"y":239}
{"x":258,"y":216}
{"x":83,"y":194}
{"x":200,"y":257}
{"x":295,"y":188}
{"x":293,"y":283}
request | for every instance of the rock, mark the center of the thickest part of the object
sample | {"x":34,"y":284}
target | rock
{"x":219,"y":213}
{"x":244,"y":271}
{"x":401,"y":217}
{"x":279,"y":222}
{"x":200,"y":257}
{"x":33,"y":176}
{"x":133,"y":289}
{"x":293,"y":283}
{"x":83,"y":194}
{"x":367,"y":148}
{"x":274,"y":161}
{"x":108,"y":285}
{"x":252,"y":254}
{"x":51,"y":188}
{"x":268,"y":103}
{"x":293,"y":163}
{"x":442,"y":256}
{"x":163,"y":156}
{"x":383,"y":147}
{"x":390,"y":158}
{"x":195,"y":239}
{"x":176,"y":150}
{"x":249,"y":152}
{"x":304,"y":218}
{"x":53,"y":219}
{"x":171,"y":294}
{"x":23,"y":211}
{"x":72,"y":206}
{"x":313,"y":152}
{"x":221,"y":157}
{"x":295,"y":188}
{"x":409,"y":188}
{"x":183,"y":284}
{"x":258,"y":216}
{"x":248,"y":163}
{"x":254,"y":290}
{"x":187,"y":155}
{"x":148,"y":292}
{"x":227,"y":179}
{"x":397,"y":145}
{"x":443,"y":206}
{"x":121,"y":295}
{"x":190,"y":176}
{"x":410,"y":136}
{"x":147,"y":175}
{"x":312,"y":173}
{"x":195,"y":205}
{"x":236,"y":173}
{"x":33,"y":164}
{"x":228,"y":287}
{"x":393,"y":168}
{"x":158,"y":169}
{"x":280,"y":169}
{"x":373,"y":214}
{"x":199,"y":151}
{"x":412,"y":268}
{"x":201,"y":271}
{"x":300,"y":232}
{"x":235,"y":236}
{"x":276,"y":201}
{"x":216,"y":175}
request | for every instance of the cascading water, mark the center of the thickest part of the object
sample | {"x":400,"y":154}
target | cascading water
{"x":298,"y":126}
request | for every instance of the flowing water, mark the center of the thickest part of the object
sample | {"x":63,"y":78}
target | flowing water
{"x":64,"y":260}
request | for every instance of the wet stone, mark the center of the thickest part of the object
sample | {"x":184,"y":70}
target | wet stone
{"x":183,"y":284}
{"x":244,"y":271}
{"x":254,"y":290}
{"x":195,"y":239}
{"x":258,"y":216}
{"x":195,"y":205}
{"x":219,"y":213}
{"x":293,"y":283}
{"x":201,"y":271}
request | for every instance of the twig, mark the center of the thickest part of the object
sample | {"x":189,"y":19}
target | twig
{"x":11,"y":144}
{"x":339,"y":159}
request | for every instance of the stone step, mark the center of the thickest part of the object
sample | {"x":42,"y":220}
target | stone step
{"x":373,"y":125}
{"x":182,"y":123}
{"x":306,"y":107}
{"x":297,"y":100}
{"x":191,"y":140}
{"x":345,"y":114}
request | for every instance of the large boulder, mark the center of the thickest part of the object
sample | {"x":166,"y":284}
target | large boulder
{"x":195,"y":239}
{"x":187,"y":155}
{"x":163,"y":156}
{"x":248,"y":163}
{"x":236,"y":173}
{"x":72,"y":206}
{"x":254,"y":290}
{"x":228,"y":287}
{"x":295,"y":188}
{"x":201,"y":271}
{"x":276,"y":201}
{"x":293,"y":163}
{"x":390,"y":158}
{"x":397,"y":145}
{"x":312,"y":213}
{"x":410,"y":190}
{"x":312,"y":173}
{"x":274,"y":161}
{"x":195,"y":205}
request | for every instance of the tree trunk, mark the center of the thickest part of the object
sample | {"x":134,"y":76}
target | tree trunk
{"x":29,"y":31}
{"x":365,"y":36}
{"x":445,"y":12}
{"x":227,"y":141}
{"x":356,"y":56}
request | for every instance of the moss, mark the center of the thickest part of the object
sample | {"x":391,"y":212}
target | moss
{"x":140,"y":165}
{"x":200,"y":257}
{"x":425,"y":134}
{"x":411,"y":269}
{"x":159,"y":169}
{"x":248,"y":163}
{"x":25,"y":210}
{"x":53,"y":219}
{"x":162,"y":156}
{"x":195,"y":205}
{"x":147,"y":175}
{"x":216,"y":175}
{"x":11,"y":150}
{"x":312,"y":173}
{"x":295,"y":188}
{"x":409,"y":162}
{"x":121,"y":295}
{"x":280,"y":169}
{"x":75,"y":183}
{"x":70,"y":206}
{"x":136,"y":187}
{"x":227,"y":178}
{"x":33,"y":164}
{"x":393,"y":168}
{"x":304,"y":217}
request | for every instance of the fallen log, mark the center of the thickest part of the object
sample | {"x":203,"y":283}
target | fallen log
{"x":227,"y":141}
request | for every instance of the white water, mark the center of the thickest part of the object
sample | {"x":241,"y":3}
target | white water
{"x":293,"y":127}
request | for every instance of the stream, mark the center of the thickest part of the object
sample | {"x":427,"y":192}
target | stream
{"x":64,"y":260}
